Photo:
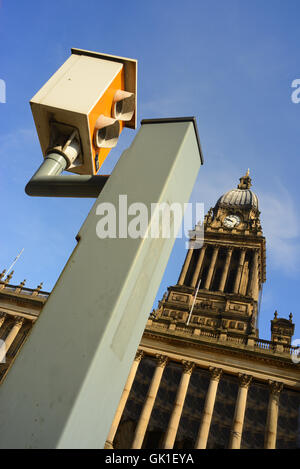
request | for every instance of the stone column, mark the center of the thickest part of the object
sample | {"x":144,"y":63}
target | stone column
{"x":13,"y":332}
{"x":185,"y":266}
{"x":149,"y":403}
{"x":2,"y":318}
{"x":239,"y":271}
{"x":272,"y":418}
{"x":2,"y":344}
{"x":225,"y":269}
{"x":253,"y":275}
{"x":113,"y":429}
{"x":239,"y":414}
{"x":198,"y":266}
{"x":211,"y":267}
{"x":202,"y":437}
{"x":178,"y":406}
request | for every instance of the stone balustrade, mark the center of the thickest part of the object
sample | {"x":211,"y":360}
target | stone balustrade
{"x":203,"y":333}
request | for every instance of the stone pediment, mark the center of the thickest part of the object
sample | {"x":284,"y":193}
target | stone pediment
{"x":282,"y":322}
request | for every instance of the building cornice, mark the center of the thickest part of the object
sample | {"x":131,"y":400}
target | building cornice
{"x":225,"y":344}
{"x":261,"y":366}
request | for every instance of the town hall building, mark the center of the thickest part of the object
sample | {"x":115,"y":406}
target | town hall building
{"x":202,"y":377}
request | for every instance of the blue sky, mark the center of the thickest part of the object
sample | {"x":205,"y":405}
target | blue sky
{"x":229,"y":63}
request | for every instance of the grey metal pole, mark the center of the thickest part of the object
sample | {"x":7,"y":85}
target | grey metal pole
{"x":48,"y":182}
{"x":67,"y":380}
{"x":53,"y":165}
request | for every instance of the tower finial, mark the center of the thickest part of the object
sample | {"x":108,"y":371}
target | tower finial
{"x":245,"y":181}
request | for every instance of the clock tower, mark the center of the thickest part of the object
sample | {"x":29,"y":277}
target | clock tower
{"x":229,"y":270}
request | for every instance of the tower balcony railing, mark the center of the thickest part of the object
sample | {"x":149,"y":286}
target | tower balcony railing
{"x":264,"y":344}
{"x":292,"y":350}
{"x":6,"y":287}
{"x":217,"y":335}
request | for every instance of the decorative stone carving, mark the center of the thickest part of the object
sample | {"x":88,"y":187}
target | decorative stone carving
{"x":275,"y":387}
{"x":181,"y":298}
{"x":215,"y":373}
{"x":188,"y":366}
{"x":2,"y":318}
{"x":209,"y":217}
{"x":18,"y":321}
{"x":244,"y":380}
{"x":161,"y":360}
{"x":139,"y":355}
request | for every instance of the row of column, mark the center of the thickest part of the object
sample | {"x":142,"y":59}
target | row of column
{"x":202,"y":437}
{"x":211,"y":269}
{"x":7,"y":343}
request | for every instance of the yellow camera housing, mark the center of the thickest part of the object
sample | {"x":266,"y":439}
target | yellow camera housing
{"x":96,"y":95}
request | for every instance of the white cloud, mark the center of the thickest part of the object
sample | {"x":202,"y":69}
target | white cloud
{"x":280,"y":221}
{"x":16,"y":139}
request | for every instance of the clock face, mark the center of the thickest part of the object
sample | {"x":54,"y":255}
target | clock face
{"x":231,"y":221}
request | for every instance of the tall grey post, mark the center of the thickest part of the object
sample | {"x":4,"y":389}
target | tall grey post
{"x":66,"y":382}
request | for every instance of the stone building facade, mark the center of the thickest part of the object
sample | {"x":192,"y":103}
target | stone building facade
{"x":19,"y":309}
{"x":202,"y":377}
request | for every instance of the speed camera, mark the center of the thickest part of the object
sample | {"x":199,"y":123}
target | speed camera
{"x":82,"y":109}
